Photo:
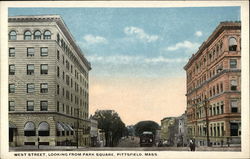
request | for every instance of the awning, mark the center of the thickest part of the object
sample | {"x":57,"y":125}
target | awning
{"x":71,"y":129}
{"x":29,"y":126}
{"x":12,"y":126}
{"x":59,"y":126}
{"x":43,"y":126}
{"x":65,"y":127}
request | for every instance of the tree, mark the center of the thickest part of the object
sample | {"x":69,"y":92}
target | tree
{"x":110,"y":122}
{"x":148,"y":125}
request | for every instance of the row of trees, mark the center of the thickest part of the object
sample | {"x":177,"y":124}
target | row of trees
{"x":110,"y":122}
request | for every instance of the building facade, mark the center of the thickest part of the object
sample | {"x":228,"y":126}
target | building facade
{"x":213,"y":80}
{"x":181,"y":137}
{"x":48,"y":84}
{"x":166,"y":125}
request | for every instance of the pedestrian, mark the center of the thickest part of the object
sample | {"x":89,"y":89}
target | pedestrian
{"x":194,"y":145}
{"x":191,"y":145}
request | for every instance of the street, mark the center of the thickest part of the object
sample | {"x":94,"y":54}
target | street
{"x":126,"y":144}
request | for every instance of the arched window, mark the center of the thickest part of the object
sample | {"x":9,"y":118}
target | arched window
{"x":27,"y":35}
{"x":43,"y":129}
{"x":29,"y":129}
{"x":12,"y":35}
{"x":37,"y":35}
{"x":47,"y":35}
{"x":232,"y":44}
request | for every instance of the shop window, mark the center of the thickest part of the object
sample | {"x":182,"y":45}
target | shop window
{"x":234,"y":129}
{"x":43,"y":129}
{"x":29,"y":129}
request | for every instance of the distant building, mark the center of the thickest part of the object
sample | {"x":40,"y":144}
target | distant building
{"x":214,"y":87}
{"x":166,"y":123}
{"x":93,"y":131}
{"x":181,"y":137}
{"x":48,"y":84}
{"x":131,"y":130}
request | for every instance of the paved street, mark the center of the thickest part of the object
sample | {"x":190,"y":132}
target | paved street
{"x":127,"y":144}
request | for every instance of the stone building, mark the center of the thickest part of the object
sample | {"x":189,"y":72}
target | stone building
{"x":94,"y":131}
{"x":213,"y":79}
{"x":181,"y":134}
{"x":48,"y":83}
{"x":165,"y":132}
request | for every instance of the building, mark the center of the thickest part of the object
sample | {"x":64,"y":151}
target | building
{"x":48,"y":84}
{"x":94,"y":131}
{"x":181,"y":134}
{"x":213,"y":77}
{"x":165,"y":132}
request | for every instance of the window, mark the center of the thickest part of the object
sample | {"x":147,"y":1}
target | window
{"x":47,"y":35}
{"x":234,"y":127}
{"x":30,"y":51}
{"x":232,"y":44}
{"x":233,"y":63}
{"x":44,"y":105}
{"x":30,"y":105}
{"x":12,"y":35}
{"x":11,"y":105}
{"x":57,"y":107}
{"x":43,"y":129}
{"x":63,"y":76}
{"x":58,"y":38}
{"x":222,"y":107}
{"x":67,"y":80}
{"x":67,"y":64}
{"x":37,"y":35}
{"x":30,"y":69}
{"x":233,"y":85}
{"x":11,"y":69}
{"x":63,"y":60}
{"x":58,"y":55}
{"x":27,"y":35}
{"x":44,"y":51}
{"x":58,"y":71}
{"x":234,"y":106}
{"x":58,"y":89}
{"x":30,"y":87}
{"x":29,"y":129}
{"x":44,"y":87}
{"x":221,"y":87}
{"x":11,"y":88}
{"x":44,"y":69}
{"x":12,"y":52}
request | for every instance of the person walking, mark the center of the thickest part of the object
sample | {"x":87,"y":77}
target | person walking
{"x":191,"y":145}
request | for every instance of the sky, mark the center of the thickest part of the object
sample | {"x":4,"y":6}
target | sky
{"x":138,"y":54}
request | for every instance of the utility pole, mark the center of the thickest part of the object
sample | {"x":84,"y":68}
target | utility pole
{"x":207,"y":128}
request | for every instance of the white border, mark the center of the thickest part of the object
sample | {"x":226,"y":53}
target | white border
{"x":163,"y":154}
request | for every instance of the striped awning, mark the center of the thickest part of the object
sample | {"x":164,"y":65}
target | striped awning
{"x":12,"y":126}
{"x":71,"y":129}
{"x":43,"y":126}
{"x":65,"y":127}
{"x":29,"y":126}
{"x":59,"y":126}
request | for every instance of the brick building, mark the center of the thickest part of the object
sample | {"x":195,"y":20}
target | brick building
{"x":213,"y":80}
{"x":48,"y":83}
